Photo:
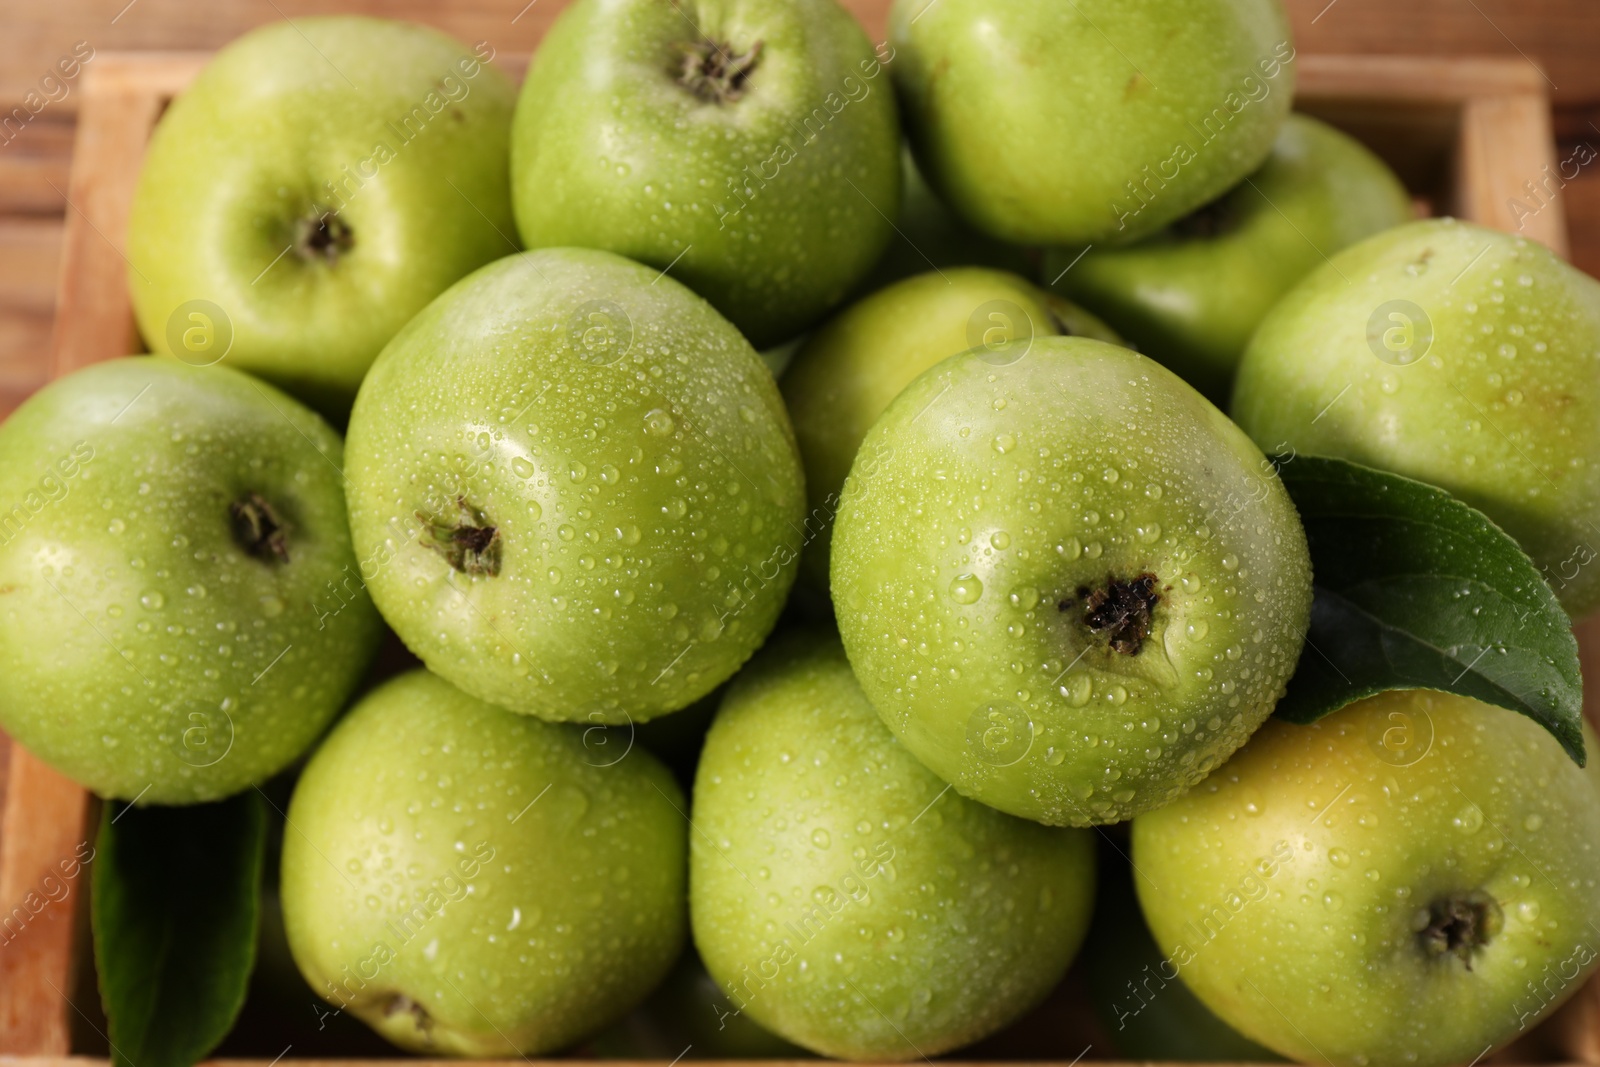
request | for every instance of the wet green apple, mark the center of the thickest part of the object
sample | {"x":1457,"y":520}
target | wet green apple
{"x":1414,"y":879}
{"x":843,"y":897}
{"x":1067,"y":582}
{"x":180,"y":616}
{"x":751,"y":148}
{"x":317,"y":185}
{"x":848,"y":371}
{"x":472,"y":882}
{"x":1097,"y":120}
{"x":1192,"y":295}
{"x":1458,"y":356}
{"x":575,"y":489}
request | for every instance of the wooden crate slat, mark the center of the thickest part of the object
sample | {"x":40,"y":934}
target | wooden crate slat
{"x":1507,"y":144}
{"x":94,"y":316}
{"x":45,"y":817}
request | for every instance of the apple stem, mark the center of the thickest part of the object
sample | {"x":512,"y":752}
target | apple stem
{"x":258,"y":530}
{"x":1122,"y":610}
{"x":1460,"y":925}
{"x":323,"y":235}
{"x":714,"y":73}
{"x":470,"y":543}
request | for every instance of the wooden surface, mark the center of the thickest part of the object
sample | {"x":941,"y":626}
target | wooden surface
{"x":36,"y":966}
{"x":66,"y":222}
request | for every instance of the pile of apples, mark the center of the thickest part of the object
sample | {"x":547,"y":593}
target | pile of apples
{"x":982,"y":572}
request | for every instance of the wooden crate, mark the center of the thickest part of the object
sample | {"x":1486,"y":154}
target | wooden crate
{"x":1465,"y":134}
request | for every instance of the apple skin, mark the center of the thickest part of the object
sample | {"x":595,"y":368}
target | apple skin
{"x":1293,"y":888}
{"x":433,"y":888}
{"x":147,"y":651}
{"x":993,"y":506}
{"x":849,"y":370}
{"x":300,"y":118}
{"x":1063,"y":124}
{"x":1192,"y":295}
{"x":1501,"y":408}
{"x":646,"y":511}
{"x":896,"y":921}
{"x":744,"y":202}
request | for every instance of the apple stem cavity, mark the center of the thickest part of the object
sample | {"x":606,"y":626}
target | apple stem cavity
{"x":470,"y":542}
{"x":258,"y":530}
{"x":715,"y":73}
{"x":322,"y":236}
{"x":1460,"y":925}
{"x":1121,"y":610}
{"x":402,"y":1004}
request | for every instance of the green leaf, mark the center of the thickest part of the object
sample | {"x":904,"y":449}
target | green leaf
{"x":175,"y":904}
{"x":1416,"y":590}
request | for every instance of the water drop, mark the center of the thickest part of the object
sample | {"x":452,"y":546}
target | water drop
{"x":966,"y":589}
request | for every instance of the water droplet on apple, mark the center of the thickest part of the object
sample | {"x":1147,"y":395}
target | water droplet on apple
{"x":966,"y":589}
{"x":521,"y":467}
{"x":820,"y":838}
{"x":1078,"y":689}
{"x":659,"y":423}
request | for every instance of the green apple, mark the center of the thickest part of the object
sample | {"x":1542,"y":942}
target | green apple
{"x":751,"y":148}
{"x":1144,"y":1007}
{"x":1091,"y":121}
{"x":843,"y":899}
{"x":848,"y":372}
{"x":1067,"y":582}
{"x":1458,"y":356}
{"x":317,"y":185}
{"x":472,"y":882}
{"x":575,"y":489}
{"x":1413,"y":880}
{"x":179,"y":612}
{"x":1192,"y":295}
{"x":929,"y":236}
